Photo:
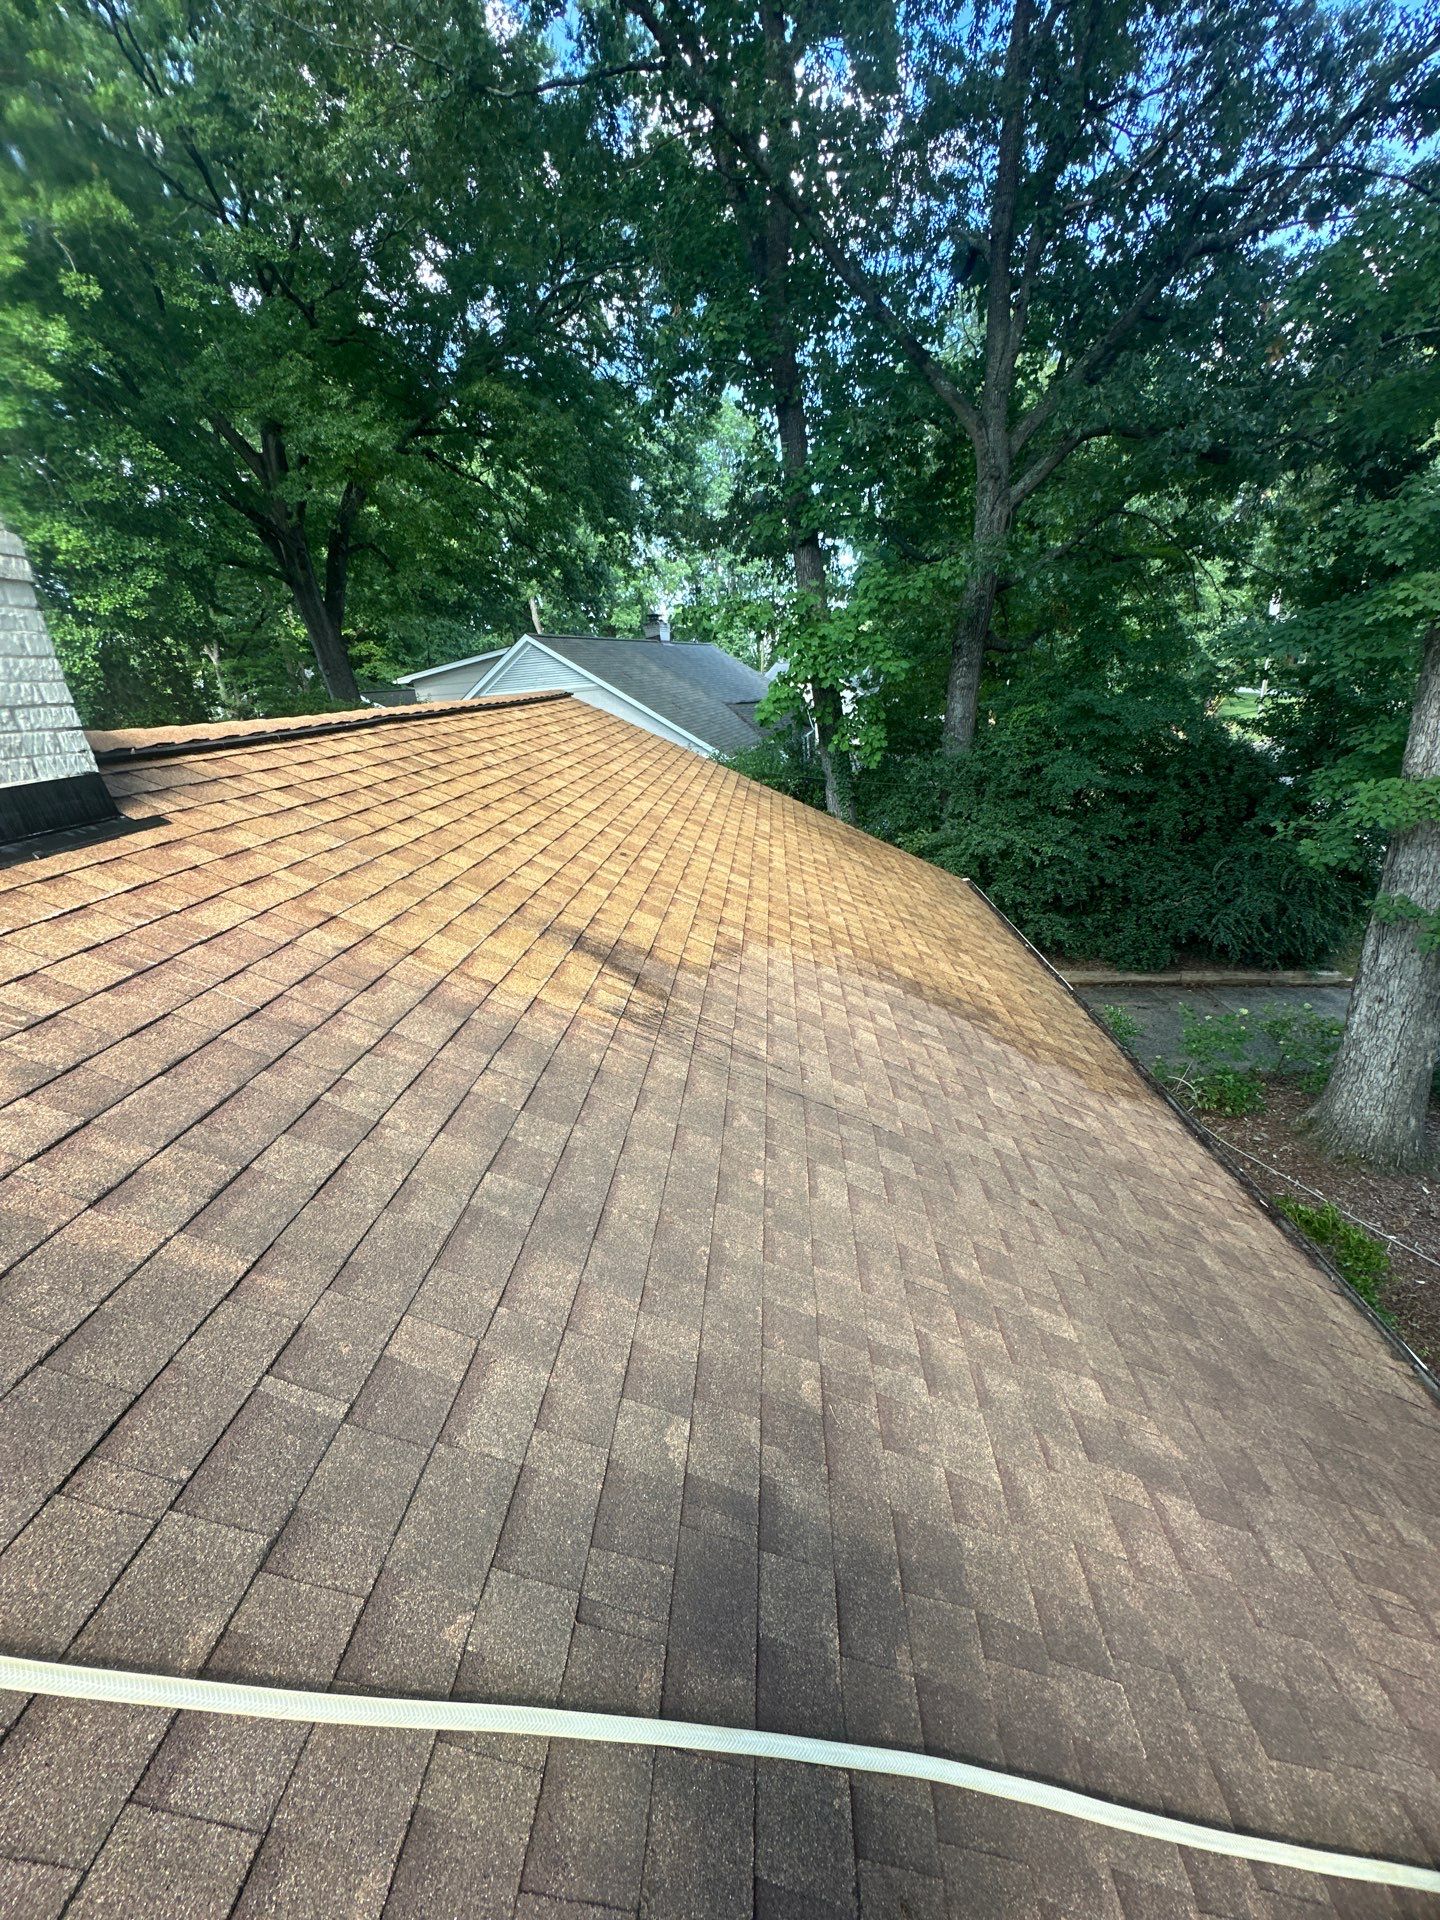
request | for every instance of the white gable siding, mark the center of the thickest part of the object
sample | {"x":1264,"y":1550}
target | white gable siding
{"x":526,"y":669}
{"x":453,"y":683}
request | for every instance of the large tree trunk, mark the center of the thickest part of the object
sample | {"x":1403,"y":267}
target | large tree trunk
{"x":320,"y":604}
{"x":322,"y":608}
{"x":223,"y":700}
{"x":811,"y":582}
{"x":327,"y":640}
{"x":281,"y":523}
{"x":972,"y":628}
{"x":993,"y":445}
{"x":1375,"y":1105}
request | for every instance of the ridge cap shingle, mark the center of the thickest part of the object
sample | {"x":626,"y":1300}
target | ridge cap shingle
{"x":120,"y":746}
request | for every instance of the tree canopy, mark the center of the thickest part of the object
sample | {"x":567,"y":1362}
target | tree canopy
{"x":321,"y":330}
{"x":1045,"y":392}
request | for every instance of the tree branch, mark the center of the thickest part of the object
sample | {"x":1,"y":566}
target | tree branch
{"x":1039,"y":471}
{"x":682,"y":50}
{"x":1102,"y":353}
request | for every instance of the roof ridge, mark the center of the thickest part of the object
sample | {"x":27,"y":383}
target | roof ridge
{"x":161,"y":743}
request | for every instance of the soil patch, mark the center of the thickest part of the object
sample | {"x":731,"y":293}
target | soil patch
{"x":1407,"y":1206}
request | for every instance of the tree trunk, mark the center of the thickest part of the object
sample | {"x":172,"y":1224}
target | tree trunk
{"x":323,"y":609}
{"x":834,"y":764}
{"x":773,"y":252}
{"x":977,"y":606}
{"x":320,"y":607}
{"x":994,"y":448}
{"x":327,"y":641}
{"x":812,"y":585}
{"x":1375,"y":1105}
{"x":222,"y":686}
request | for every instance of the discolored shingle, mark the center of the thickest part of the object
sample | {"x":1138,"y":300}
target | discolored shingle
{"x":495,"y":1202}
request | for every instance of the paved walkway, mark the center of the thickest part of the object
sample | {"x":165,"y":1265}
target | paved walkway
{"x":1158,"y":1008}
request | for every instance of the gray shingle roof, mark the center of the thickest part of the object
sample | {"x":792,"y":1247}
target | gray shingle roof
{"x":693,"y":686}
{"x":710,"y":667}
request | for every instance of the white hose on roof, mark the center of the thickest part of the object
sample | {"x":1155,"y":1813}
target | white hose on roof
{"x":556,"y":1723}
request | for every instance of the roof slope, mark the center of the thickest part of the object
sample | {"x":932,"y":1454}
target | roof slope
{"x":499,"y":1204}
{"x":703,"y":664}
{"x":696,"y":687}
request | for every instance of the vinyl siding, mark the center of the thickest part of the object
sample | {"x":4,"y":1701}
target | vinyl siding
{"x":455,"y":683}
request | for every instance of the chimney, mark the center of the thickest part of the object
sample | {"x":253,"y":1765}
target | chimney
{"x":48,"y":777}
{"x":657,"y":628}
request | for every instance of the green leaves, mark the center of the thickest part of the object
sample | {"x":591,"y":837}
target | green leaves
{"x":1354,"y":513}
{"x":332,"y":319}
{"x":322,"y":303}
{"x":1120,"y":823}
{"x":1398,"y":909}
{"x":1363,"y":1260}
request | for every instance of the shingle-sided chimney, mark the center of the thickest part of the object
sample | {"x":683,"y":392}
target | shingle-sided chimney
{"x":657,"y":627}
{"x":48,"y":777}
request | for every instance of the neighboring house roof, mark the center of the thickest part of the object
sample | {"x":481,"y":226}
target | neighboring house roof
{"x":697,"y":688}
{"x":497,"y":1204}
{"x":449,"y":666}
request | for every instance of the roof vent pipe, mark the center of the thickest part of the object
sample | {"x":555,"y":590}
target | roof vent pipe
{"x":657,"y":628}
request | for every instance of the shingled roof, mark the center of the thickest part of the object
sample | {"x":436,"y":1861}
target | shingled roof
{"x":497,"y":1204}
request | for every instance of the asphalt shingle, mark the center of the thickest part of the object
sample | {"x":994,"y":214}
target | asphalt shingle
{"x":699,"y":687}
{"x":496,"y":1203}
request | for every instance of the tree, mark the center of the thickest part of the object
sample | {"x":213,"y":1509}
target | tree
{"x":310,"y":297}
{"x":708,"y":475}
{"x":1377,"y":1099}
{"x":746,"y":302}
{"x":1354,"y":638}
{"x":1046,"y":202}
{"x":767,"y":228}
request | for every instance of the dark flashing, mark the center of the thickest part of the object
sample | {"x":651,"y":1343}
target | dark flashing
{"x":1402,"y":1349}
{"x":54,"y":806}
{"x":265,"y":736}
{"x":39,"y":846}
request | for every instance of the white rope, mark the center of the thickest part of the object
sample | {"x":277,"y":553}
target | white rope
{"x":1228,"y":1146}
{"x":553,"y":1723}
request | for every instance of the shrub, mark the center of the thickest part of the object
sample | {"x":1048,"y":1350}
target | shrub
{"x":1116,"y":835}
{"x":1361,"y":1258}
{"x":1305,"y":1045}
{"x":1232,"y":1091}
{"x":781,"y":763}
{"x":1216,"y":1075}
{"x":1123,"y":1025}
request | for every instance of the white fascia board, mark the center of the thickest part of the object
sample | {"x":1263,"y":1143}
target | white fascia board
{"x":449,"y":666}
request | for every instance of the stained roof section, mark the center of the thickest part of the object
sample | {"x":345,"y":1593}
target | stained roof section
{"x":497,"y":1204}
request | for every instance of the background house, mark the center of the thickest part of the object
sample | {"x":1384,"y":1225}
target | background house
{"x":695,"y":695}
{"x":455,"y":680}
